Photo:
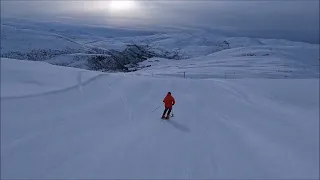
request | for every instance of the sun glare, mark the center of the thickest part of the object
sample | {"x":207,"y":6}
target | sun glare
{"x":117,"y":8}
{"x":121,"y":5}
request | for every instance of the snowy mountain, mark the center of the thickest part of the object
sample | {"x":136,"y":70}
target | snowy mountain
{"x":110,"y":49}
{"x":26,"y":40}
{"x":62,"y":123}
{"x":84,"y":102}
{"x":245,"y":62}
{"x":71,"y":49}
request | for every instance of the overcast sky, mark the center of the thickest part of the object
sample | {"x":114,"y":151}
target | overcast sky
{"x":287,"y":19}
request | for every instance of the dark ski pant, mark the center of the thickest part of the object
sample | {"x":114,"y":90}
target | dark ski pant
{"x":165,"y":111}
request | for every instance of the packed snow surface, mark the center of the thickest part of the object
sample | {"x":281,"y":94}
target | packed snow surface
{"x":63,"y":123}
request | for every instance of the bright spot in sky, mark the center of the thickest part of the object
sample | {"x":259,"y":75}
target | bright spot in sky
{"x":121,"y":5}
{"x":117,"y":7}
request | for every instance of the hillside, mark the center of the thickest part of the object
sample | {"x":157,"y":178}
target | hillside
{"x":110,"y":49}
{"x":281,"y":62}
{"x":26,"y":40}
{"x":63,"y":123}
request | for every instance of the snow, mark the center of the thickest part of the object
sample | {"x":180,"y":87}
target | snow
{"x":285,"y":62}
{"x":25,"y":78}
{"x":206,"y":53}
{"x":75,"y":29}
{"x":109,"y":44}
{"x":25,"y":40}
{"x":77,"y":60}
{"x":57,"y":124}
{"x":248,"y":108}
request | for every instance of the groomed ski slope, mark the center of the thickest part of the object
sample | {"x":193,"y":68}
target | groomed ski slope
{"x":66,"y":123}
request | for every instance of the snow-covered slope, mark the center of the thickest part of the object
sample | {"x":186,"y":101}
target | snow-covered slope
{"x":63,"y":123}
{"x":24,"y":78}
{"x":75,"y":30}
{"x":196,"y":44}
{"x":243,"y":62}
{"x":58,"y":49}
{"x":78,"y":45}
{"x":24,"y":40}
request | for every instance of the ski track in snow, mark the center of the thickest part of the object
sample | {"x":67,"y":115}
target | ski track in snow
{"x":79,"y":85}
{"x":124,"y":100}
{"x":104,"y":127}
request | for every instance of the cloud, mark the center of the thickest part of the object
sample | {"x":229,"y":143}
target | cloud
{"x":296,"y":20}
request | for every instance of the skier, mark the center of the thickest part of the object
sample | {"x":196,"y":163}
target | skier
{"x":168,"y":103}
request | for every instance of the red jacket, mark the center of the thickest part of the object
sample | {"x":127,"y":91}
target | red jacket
{"x":168,"y":101}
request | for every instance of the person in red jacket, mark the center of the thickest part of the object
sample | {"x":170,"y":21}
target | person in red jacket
{"x":168,"y":103}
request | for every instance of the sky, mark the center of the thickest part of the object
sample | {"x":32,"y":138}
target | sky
{"x":281,"y":19}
